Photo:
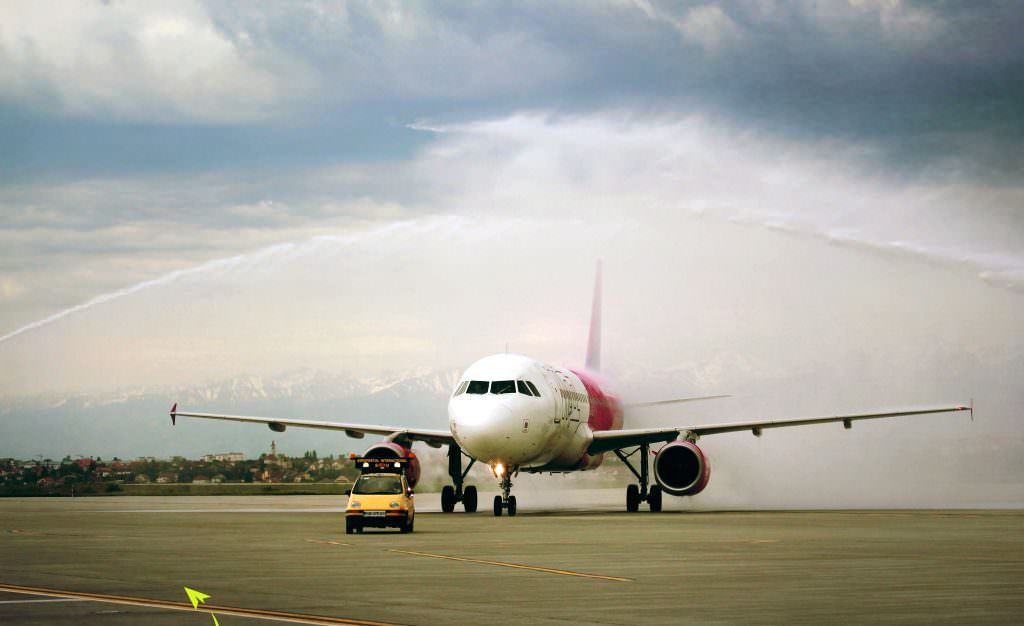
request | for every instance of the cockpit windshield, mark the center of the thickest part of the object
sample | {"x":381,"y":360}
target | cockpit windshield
{"x":498,"y":387}
{"x":503,"y":386}
{"x":377,"y":485}
{"x":477,"y":387}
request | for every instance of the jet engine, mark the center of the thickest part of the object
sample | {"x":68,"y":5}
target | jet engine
{"x":681,"y":469}
{"x":391,"y":450}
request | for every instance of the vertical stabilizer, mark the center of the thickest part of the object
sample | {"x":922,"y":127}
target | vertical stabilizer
{"x":593,"y":362}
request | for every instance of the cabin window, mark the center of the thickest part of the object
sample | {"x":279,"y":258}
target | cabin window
{"x":477,"y":387}
{"x":503,"y":386}
{"x":533,"y":388}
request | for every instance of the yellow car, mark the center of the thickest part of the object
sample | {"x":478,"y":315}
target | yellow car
{"x":380,"y":501}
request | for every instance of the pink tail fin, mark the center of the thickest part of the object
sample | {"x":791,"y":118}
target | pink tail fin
{"x":593,"y":362}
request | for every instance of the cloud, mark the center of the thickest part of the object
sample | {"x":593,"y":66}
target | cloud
{"x":380,"y":51}
{"x":710,"y":27}
{"x":653,"y":167}
{"x":705,"y":25}
{"x":928,"y":87}
{"x":10,"y":289}
{"x":99,"y":236}
{"x":140,"y":62}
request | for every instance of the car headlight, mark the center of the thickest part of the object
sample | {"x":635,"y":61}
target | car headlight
{"x":394,"y":505}
{"x":354,"y":505}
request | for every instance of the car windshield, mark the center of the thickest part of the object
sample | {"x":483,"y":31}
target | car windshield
{"x":377,"y":485}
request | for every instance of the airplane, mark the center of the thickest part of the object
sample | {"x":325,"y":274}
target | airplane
{"x":517,"y":414}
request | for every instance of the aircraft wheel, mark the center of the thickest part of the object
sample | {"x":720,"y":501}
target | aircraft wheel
{"x":654,"y":498}
{"x":448,"y":499}
{"x":469,"y":499}
{"x":511,"y":506}
{"x":497,"y":506}
{"x":633,"y":498}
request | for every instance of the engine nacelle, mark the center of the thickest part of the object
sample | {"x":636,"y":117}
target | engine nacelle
{"x":391,"y":450}
{"x":682,"y":469}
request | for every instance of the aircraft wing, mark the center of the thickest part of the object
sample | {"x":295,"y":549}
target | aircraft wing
{"x":357,"y":431}
{"x":606,"y":440}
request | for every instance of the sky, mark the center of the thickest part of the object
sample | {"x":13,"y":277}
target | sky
{"x":818,"y":203}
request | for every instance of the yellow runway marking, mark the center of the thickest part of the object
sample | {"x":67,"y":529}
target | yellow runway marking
{"x":330,"y":543}
{"x":532,"y":568}
{"x":34,"y":533}
{"x":277,"y":616}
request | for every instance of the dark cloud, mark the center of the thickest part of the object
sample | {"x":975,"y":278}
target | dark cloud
{"x":926,"y":88}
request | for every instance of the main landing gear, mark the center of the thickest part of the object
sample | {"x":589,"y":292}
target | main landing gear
{"x":505,"y":500}
{"x":635,"y":494}
{"x":450,"y":495}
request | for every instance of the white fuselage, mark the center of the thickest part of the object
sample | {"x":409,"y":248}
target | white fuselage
{"x":515,"y":411}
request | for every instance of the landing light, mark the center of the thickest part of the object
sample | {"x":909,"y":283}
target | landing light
{"x":499,"y":470}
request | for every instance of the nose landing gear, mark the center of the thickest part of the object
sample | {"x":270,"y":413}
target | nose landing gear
{"x":452,"y":495}
{"x":505,"y":500}
{"x":635,"y":494}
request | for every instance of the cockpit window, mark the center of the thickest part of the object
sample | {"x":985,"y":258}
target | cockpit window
{"x":522,"y":388}
{"x":533,"y":388}
{"x":503,"y":386}
{"x":477,"y":387}
{"x":461,"y":389}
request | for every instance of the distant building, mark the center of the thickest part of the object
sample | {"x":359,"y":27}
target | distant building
{"x":229,"y":457}
{"x":201,"y":479}
{"x":167,"y":477}
{"x":274,"y":460}
{"x":142,"y":478}
{"x":272,"y":476}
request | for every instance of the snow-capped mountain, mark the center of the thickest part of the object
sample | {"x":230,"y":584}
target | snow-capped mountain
{"x":133,"y":422}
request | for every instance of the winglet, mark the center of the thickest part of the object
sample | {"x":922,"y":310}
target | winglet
{"x":972,"y":409}
{"x":174,"y":413}
{"x":593,"y":362}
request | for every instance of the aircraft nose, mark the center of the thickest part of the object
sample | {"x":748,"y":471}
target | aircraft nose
{"x":484,"y":430}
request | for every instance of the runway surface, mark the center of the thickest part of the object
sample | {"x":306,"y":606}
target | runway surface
{"x":287,"y":560}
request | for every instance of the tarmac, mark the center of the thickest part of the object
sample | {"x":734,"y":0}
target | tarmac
{"x":287,"y":559}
